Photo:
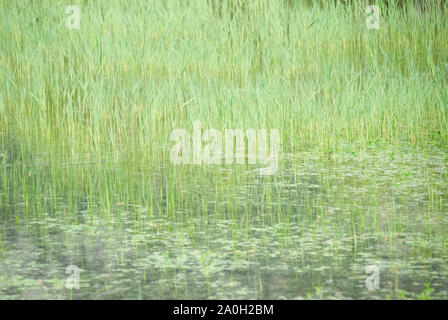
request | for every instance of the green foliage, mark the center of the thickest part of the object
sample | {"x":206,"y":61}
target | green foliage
{"x":426,"y":293}
{"x":85,"y":123}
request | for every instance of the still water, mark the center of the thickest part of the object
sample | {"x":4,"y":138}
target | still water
{"x":310,"y":232}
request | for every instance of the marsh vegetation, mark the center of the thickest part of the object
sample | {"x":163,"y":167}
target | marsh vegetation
{"x":85,"y":171}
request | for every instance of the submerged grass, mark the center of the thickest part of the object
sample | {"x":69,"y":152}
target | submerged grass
{"x":86,"y":117}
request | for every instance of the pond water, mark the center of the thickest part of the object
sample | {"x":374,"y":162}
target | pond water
{"x":309,"y":232}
